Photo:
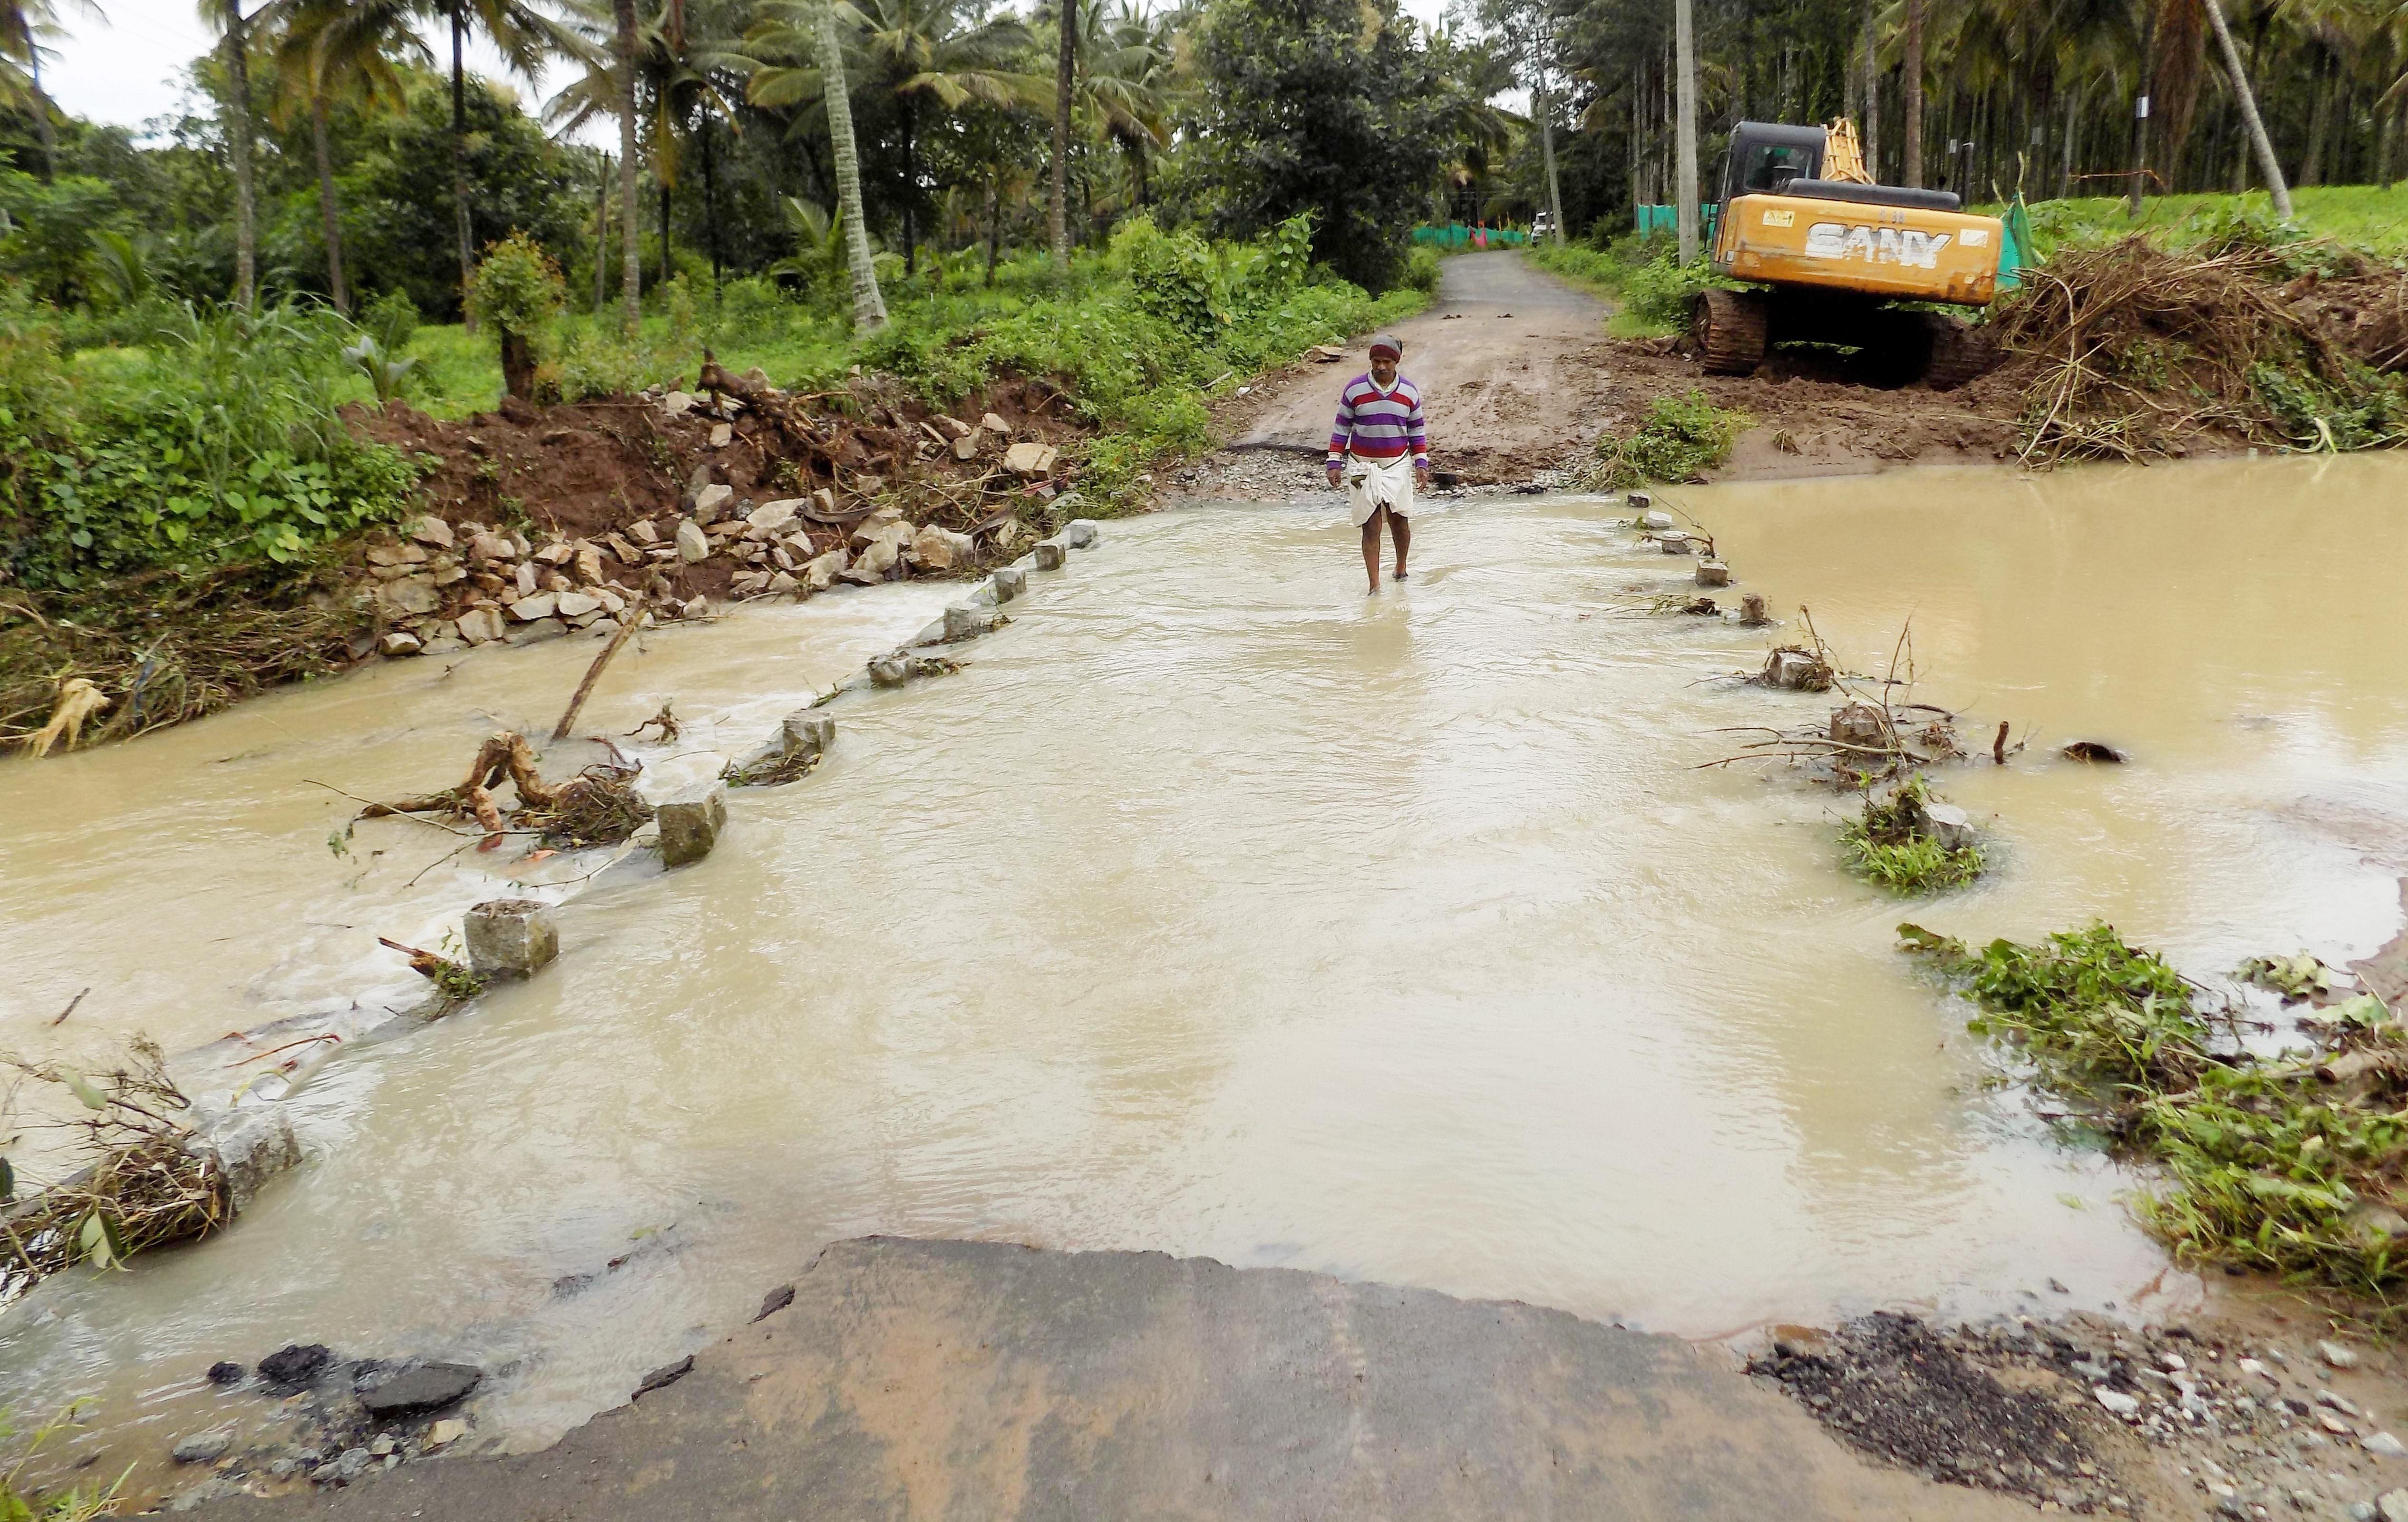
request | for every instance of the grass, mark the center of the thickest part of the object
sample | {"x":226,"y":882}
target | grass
{"x":2284,"y":1162}
{"x":18,"y":1504}
{"x":1893,"y":845}
{"x":1679,"y":439}
{"x":2362,"y":216}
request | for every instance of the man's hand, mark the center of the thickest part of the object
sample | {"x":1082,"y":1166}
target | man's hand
{"x":1333,"y":477}
{"x":1421,"y":475}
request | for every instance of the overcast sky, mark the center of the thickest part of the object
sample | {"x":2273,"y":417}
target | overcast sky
{"x":128,"y":69}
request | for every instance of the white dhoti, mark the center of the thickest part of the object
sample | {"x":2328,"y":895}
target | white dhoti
{"x":1372,"y":484}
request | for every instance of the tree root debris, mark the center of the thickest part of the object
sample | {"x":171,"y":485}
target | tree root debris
{"x":599,"y":805}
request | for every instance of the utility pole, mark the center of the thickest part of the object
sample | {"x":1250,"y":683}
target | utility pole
{"x":2268,"y":164}
{"x":1685,"y":46}
{"x":2141,"y":111}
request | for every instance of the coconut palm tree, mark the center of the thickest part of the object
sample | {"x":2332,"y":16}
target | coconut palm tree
{"x":233,"y":27}
{"x":918,"y":51}
{"x":26,"y":26}
{"x":526,"y":37}
{"x":337,"y":51}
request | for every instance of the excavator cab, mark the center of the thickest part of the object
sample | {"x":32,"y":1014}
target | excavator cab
{"x":1828,"y":254}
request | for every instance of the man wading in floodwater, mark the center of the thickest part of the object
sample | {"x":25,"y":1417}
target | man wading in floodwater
{"x":1379,"y":451}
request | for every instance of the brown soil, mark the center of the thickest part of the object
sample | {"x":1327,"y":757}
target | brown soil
{"x":590,"y":469}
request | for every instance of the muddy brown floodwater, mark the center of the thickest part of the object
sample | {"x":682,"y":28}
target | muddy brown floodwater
{"x":1217,"y":908}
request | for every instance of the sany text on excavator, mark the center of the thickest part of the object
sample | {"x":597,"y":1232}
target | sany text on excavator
{"x":1829,"y":255}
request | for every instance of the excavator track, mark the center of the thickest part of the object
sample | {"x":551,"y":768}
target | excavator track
{"x":1728,"y":329}
{"x":1960,"y":353}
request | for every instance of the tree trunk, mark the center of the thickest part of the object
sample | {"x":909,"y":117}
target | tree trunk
{"x":460,"y":166}
{"x":46,"y":131}
{"x":2141,"y":111}
{"x":2072,"y":130}
{"x":911,"y":191}
{"x":1911,"y":169}
{"x":518,"y":365}
{"x":321,"y":146}
{"x":1547,"y":144}
{"x":994,"y":223}
{"x":1685,"y":46}
{"x":868,"y":306}
{"x":710,"y":202}
{"x":1872,"y":95}
{"x":2268,"y":164}
{"x":246,"y":225}
{"x":601,"y":236}
{"x":668,"y":271}
{"x":1057,"y":219}
{"x":631,"y":263}
{"x":2320,"y":119}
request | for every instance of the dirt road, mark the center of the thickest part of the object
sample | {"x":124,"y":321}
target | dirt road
{"x":1518,"y":377}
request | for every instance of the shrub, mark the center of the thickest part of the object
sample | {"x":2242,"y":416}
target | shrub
{"x":392,"y":319}
{"x":1680,"y":440}
{"x":517,"y":290}
{"x":1660,"y":291}
{"x":1421,"y":271}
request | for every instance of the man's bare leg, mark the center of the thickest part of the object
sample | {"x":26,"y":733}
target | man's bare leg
{"x":1371,"y":546}
{"x":1401,"y":529}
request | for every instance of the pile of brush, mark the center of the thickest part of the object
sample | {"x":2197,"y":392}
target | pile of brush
{"x":2134,"y":351}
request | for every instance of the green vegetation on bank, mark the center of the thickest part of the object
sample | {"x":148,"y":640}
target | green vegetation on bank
{"x":20,"y":1504}
{"x":2289,"y":1161}
{"x":1678,"y":440}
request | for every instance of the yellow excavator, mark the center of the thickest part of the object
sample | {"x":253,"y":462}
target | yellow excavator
{"x":1829,"y":255}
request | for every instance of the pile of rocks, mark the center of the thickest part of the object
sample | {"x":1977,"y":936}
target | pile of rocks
{"x":449,"y":586}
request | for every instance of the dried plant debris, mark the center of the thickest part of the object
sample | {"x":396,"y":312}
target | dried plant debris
{"x":1893,"y":1386}
{"x":138,"y":1185}
{"x":599,"y":805}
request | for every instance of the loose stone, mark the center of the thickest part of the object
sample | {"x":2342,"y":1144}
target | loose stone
{"x":202,"y":1447}
{"x":1657,"y":521}
{"x":694,"y":546}
{"x":1080,"y":532}
{"x":1009,"y":582}
{"x":2339,"y":1357}
{"x":1713,"y":573}
{"x":429,"y":1387}
{"x":2385,"y":1444}
{"x":691,"y":822}
{"x":2117,"y":1401}
{"x":398,"y":642}
{"x":1050,"y":553}
{"x":511,"y":937}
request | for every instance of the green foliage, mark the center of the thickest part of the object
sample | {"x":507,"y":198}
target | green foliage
{"x":1660,"y":292}
{"x":1893,"y":845}
{"x":517,"y":288}
{"x":1332,"y":107}
{"x":48,"y":230}
{"x":392,"y":319}
{"x":220,"y":443}
{"x":1172,"y":276}
{"x":1680,"y":440}
{"x":2265,"y":1163}
{"x":2362,"y":411}
{"x":1421,"y":271}
{"x":2295,"y":978}
{"x":18,"y":1504}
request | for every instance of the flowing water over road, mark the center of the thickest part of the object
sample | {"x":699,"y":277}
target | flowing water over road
{"x":1217,"y":908}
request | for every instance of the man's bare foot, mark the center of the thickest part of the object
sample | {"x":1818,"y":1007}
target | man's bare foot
{"x":1400,"y":574}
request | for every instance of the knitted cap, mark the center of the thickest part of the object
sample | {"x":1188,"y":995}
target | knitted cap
{"x":1389,"y":342}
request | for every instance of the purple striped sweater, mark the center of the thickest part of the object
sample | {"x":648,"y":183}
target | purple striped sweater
{"x":1377,"y":424}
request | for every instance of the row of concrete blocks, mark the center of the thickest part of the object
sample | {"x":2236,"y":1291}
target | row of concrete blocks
{"x":517,"y":937}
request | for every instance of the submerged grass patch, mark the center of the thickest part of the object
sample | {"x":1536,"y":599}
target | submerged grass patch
{"x":1678,"y":440}
{"x":1895,"y":846}
{"x":2291,"y":1162}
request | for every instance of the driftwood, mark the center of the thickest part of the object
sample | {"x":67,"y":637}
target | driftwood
{"x":629,"y":617}
{"x":596,"y":807}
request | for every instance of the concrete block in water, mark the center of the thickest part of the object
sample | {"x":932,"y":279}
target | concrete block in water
{"x":1008,"y":583}
{"x":1713,"y":573}
{"x":691,"y":822}
{"x":967,"y":621}
{"x":1657,"y":521}
{"x":806,"y":732}
{"x":1640,"y":502}
{"x":1051,"y":554}
{"x":252,"y":1144}
{"x":1751,"y":608}
{"x":1674,"y":542}
{"x":512,"y":937}
{"x":1080,"y":532}
{"x":891,"y":670}
{"x":1950,"y":825}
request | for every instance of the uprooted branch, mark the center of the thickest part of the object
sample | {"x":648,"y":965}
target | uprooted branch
{"x":1876,"y":735}
{"x":599,"y":805}
{"x":141,"y":1185}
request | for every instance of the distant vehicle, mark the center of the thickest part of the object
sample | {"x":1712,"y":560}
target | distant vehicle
{"x":1541,"y":225}
{"x":1830,"y":255}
